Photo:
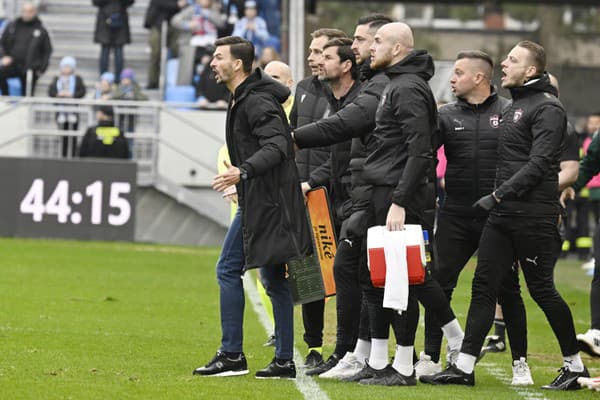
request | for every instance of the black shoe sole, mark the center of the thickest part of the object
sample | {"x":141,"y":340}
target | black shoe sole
{"x":276,"y":377}
{"x":223,"y":374}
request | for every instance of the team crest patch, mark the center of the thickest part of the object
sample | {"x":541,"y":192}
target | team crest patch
{"x":494,"y":121}
{"x":518,"y":114}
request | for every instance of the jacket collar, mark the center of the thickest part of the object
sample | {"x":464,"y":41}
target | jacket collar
{"x":486,"y":103}
{"x":536,"y":85}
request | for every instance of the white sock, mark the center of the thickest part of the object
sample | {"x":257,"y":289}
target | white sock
{"x":466,"y":362}
{"x":362,"y":350}
{"x":379,"y":353}
{"x":403,"y":360}
{"x":454,"y":334}
{"x":574,"y":363}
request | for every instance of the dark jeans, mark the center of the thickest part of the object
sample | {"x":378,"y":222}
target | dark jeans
{"x":229,"y":275}
{"x":119,"y":61}
{"x":313,"y":315}
{"x":535,"y":243}
{"x":429,"y":293}
{"x":457,"y":239}
{"x":14,"y":71}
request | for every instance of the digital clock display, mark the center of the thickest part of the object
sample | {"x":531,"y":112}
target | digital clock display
{"x":83,"y":199}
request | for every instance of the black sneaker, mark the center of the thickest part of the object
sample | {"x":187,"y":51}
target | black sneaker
{"x":270,"y":341}
{"x":495,"y":344}
{"x":324,"y":366}
{"x":450,"y":376}
{"x":390,"y":377}
{"x":276,"y":370}
{"x":313,"y":360}
{"x":567,"y":379}
{"x":365,"y":373}
{"x":221,"y":365}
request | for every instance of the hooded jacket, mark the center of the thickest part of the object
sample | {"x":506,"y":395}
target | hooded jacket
{"x":469,"y":133}
{"x":274,"y":223}
{"x":406,"y":121}
{"x":310,"y":105}
{"x":531,"y":134}
{"x":28,"y":43}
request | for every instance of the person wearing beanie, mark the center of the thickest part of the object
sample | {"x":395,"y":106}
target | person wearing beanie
{"x":67,"y":85}
{"x":105,"y":86}
{"x":104,"y":140}
{"x":252,"y":27}
{"x":128,"y":89}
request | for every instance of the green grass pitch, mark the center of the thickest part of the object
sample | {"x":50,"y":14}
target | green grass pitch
{"x":86,"y":320}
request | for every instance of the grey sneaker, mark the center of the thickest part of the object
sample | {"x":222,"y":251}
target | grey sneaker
{"x":390,"y":377}
{"x":365,"y":373}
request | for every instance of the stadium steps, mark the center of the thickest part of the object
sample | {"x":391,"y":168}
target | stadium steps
{"x":170,"y":214}
{"x":71,"y":26}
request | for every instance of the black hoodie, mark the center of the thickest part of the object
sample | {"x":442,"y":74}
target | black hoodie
{"x":406,"y":120}
{"x":274,"y":223}
{"x":531,"y":134}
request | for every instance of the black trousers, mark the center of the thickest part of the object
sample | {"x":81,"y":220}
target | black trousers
{"x":595,"y":292}
{"x":429,"y":293}
{"x":535,"y":243}
{"x":313,"y":320}
{"x":457,"y":239}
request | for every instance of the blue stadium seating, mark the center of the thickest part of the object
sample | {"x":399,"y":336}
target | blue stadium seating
{"x":180,"y":94}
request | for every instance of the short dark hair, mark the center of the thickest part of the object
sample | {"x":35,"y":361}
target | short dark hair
{"x":374,"y":21}
{"x":479,"y":55}
{"x":241,"y":49}
{"x":330,"y":33}
{"x":538,"y":55}
{"x":344,"y":52}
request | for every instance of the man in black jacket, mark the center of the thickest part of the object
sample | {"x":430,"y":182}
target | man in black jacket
{"x":270,"y":227}
{"x":468,"y":130}
{"x":25,"y":45}
{"x":356,"y":121}
{"x":522,"y":225}
{"x":104,"y":140}
{"x":310,"y":104}
{"x":401,"y":170}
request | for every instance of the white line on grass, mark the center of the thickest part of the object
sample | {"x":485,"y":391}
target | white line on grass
{"x":305,"y":384}
{"x":527,"y":393}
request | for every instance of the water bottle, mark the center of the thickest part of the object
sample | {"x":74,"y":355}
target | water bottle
{"x":427,"y":247}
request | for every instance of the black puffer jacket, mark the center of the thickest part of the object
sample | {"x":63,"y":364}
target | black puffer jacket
{"x":28,"y":43}
{"x":159,"y":11}
{"x":310,"y":105}
{"x":274,"y":222}
{"x":406,"y":121}
{"x":112,"y":22}
{"x":531,"y":134}
{"x":335,"y":172}
{"x":469,"y":134}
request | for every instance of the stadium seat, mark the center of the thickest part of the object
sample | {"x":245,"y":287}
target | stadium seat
{"x":14,"y":87}
{"x":180,"y":94}
{"x":172,"y":70}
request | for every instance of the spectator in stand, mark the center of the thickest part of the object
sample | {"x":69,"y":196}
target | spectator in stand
{"x":25,"y":45}
{"x":160,"y":11}
{"x":268,"y":54}
{"x":128,"y":89}
{"x":209,"y":93}
{"x":105,"y":86}
{"x":104,"y":140}
{"x":67,"y":85}
{"x":252,"y":27}
{"x":112,"y":31}
{"x":197,"y":25}
{"x":231,"y":12}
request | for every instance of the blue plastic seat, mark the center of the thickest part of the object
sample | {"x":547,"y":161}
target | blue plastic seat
{"x":172,"y":71}
{"x":14,"y":87}
{"x":180,"y":94}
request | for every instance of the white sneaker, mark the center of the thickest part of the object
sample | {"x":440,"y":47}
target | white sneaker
{"x":346,"y":367}
{"x":427,"y":367}
{"x":589,"y":265}
{"x":521,"y":373}
{"x":590,"y":342}
{"x":590,"y":383}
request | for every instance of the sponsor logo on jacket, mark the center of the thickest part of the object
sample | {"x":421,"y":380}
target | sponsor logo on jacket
{"x":495,"y":120}
{"x":518,"y":114}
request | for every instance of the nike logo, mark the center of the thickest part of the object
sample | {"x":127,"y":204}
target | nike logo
{"x":302,"y":97}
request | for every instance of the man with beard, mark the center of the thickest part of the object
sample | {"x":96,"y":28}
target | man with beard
{"x":356,"y":121}
{"x":270,"y":227}
{"x":524,"y":212}
{"x":401,"y":170}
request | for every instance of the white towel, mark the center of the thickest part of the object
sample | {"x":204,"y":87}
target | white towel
{"x":395,"y":295}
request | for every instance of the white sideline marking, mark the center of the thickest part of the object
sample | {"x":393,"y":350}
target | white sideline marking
{"x":526,"y":392}
{"x":305,"y":384}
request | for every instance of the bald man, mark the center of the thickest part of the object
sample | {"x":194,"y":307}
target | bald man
{"x":281,"y":72}
{"x":401,"y":170}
